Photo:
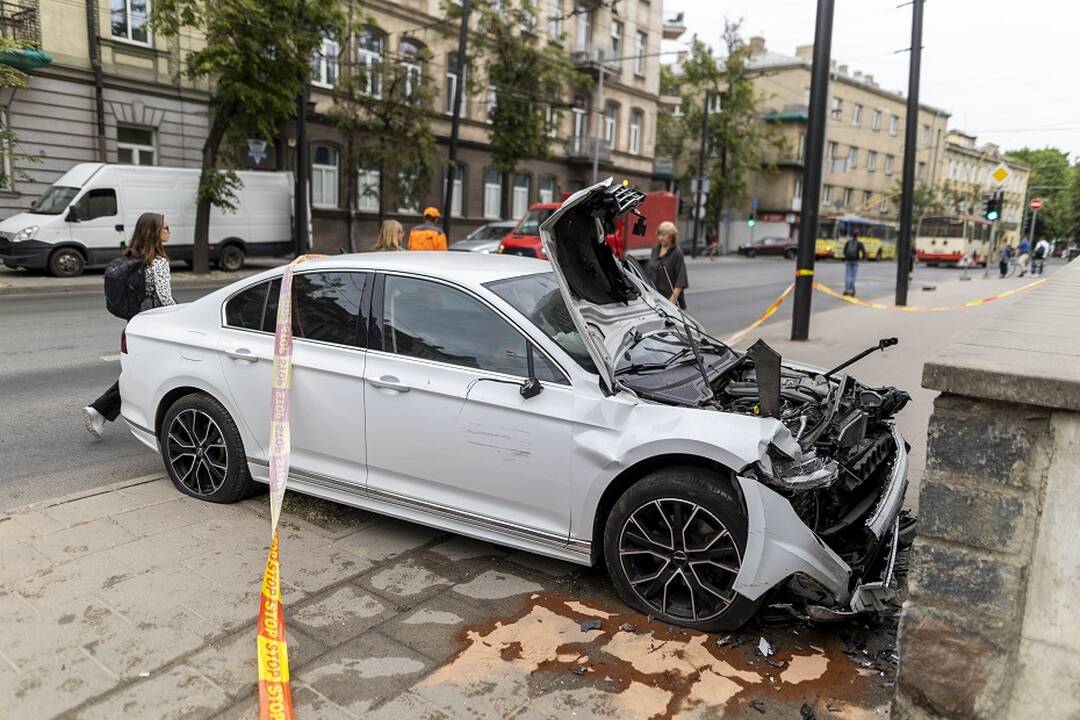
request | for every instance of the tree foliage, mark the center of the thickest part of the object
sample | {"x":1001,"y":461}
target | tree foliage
{"x":1049,"y":166}
{"x":12,"y":77}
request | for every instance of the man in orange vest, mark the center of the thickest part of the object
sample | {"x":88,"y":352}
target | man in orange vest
{"x":428,"y":235}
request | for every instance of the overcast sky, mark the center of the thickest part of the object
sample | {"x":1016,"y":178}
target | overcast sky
{"x":1005,"y":70}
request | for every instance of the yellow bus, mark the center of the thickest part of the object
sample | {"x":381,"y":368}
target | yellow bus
{"x":948,"y":239}
{"x":877,"y":236}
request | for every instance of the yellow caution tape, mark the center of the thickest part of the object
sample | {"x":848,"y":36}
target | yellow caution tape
{"x":804,"y":273}
{"x":769,"y":311}
{"x":921,"y":309}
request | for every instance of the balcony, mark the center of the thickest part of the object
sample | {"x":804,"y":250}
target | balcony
{"x":580,"y":150}
{"x":591,"y":57}
{"x":674,"y":27}
{"x":19,"y":22}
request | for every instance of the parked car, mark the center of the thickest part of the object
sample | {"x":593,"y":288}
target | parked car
{"x":562,"y":408}
{"x":524,"y":239}
{"x":87,"y":216}
{"x":485,"y":238}
{"x":787,"y":247}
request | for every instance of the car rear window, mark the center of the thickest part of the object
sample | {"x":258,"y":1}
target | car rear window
{"x":326,"y":307}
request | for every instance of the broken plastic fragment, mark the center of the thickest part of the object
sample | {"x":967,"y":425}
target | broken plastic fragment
{"x":579,"y":670}
{"x":765,"y":648}
{"x":588,"y":625}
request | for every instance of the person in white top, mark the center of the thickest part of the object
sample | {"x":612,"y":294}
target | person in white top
{"x":1039,"y":255}
{"x":147,"y":242}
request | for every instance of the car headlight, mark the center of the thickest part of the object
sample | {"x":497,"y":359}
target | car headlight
{"x":27,"y":233}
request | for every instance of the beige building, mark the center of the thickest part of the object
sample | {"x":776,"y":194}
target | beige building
{"x":965,"y":180}
{"x":147,"y":115}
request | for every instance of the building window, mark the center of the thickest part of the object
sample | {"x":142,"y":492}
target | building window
{"x":368,"y":189}
{"x":551,"y":121}
{"x":452,"y":75}
{"x":371,"y":44}
{"x":458,"y":199}
{"x":884,"y":206}
{"x":875,"y":120}
{"x":135,"y":146}
{"x":492,"y":101}
{"x":408,"y":197}
{"x":716,"y":103}
{"x":324,"y":176}
{"x":584,"y":27}
{"x":925,"y":135}
{"x":798,"y":188}
{"x":856,"y":114}
{"x":547,"y":189}
{"x":848,"y":192}
{"x":894,"y":124}
{"x":130,"y":20}
{"x":826,"y":194}
{"x":641,"y":42}
{"x":920,"y":172}
{"x":492,"y":194}
{"x":852,"y":158}
{"x":636,"y":119}
{"x":616,"y":38}
{"x":889,"y":164}
{"x":806,"y":96}
{"x":581,"y":123}
{"x":519,"y":197}
{"x":802,"y":147}
{"x":867,"y":196}
{"x":837,"y":108}
{"x":555,"y":18}
{"x":611,"y":125}
{"x":871,"y":160}
{"x":324,"y":63}
{"x":411,"y":65}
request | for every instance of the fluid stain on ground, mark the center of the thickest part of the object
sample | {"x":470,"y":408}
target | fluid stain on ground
{"x":641,"y":668}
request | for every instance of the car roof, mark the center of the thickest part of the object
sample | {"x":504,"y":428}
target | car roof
{"x":465,"y":268}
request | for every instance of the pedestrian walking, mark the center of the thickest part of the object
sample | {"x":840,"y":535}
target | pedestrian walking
{"x":666,"y":269}
{"x":1004,"y":255}
{"x":1039,"y":255}
{"x":712,"y":244}
{"x":390,"y":236}
{"x":145,"y":254}
{"x":1023,"y":255}
{"x":854,"y":251}
{"x":428,"y":235}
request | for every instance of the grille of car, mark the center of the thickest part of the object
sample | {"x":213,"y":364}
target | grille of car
{"x":5,"y":243}
{"x":524,"y":252}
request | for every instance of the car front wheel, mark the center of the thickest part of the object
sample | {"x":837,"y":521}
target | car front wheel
{"x":203,"y":452}
{"x":674,"y":543}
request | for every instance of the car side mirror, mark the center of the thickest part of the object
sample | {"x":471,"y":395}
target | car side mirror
{"x":531,"y":387}
{"x":72,"y":214}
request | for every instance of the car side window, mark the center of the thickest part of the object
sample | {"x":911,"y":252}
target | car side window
{"x":432,"y":321}
{"x":246,"y":309}
{"x":326,"y":307}
{"x":100,"y":202}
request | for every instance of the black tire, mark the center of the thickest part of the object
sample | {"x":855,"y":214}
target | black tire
{"x":205,"y":460}
{"x":231,"y":258}
{"x":66,"y":262}
{"x":790,"y":254}
{"x":708,"y":506}
{"x":751,"y":253}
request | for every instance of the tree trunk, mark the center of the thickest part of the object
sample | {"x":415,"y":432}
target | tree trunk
{"x":382,"y":194}
{"x":200,"y":257}
{"x":352,"y":188}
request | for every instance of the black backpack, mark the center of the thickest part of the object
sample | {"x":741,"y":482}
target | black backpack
{"x":1040,"y":250}
{"x":125,"y":286}
{"x":851,"y":249}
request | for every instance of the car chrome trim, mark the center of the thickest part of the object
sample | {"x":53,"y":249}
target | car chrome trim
{"x":541,"y":537}
{"x":889,"y":505}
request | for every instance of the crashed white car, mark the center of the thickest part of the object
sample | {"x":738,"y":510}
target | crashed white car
{"x":565,"y":409}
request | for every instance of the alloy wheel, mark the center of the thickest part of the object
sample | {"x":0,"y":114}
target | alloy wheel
{"x":679,"y":559}
{"x":197,"y":453}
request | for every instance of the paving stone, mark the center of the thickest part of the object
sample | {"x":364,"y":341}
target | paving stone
{"x":13,"y":606}
{"x":364,"y":672}
{"x":156,"y":550}
{"x":34,"y":640}
{"x":61,"y":682}
{"x":246,"y":708}
{"x":151,"y":493}
{"x":229,"y":529}
{"x":460,"y":548}
{"x":546,"y":565}
{"x":81,"y":539}
{"x":239,"y":565}
{"x":496,"y":585}
{"x":92,"y":573}
{"x":314,"y":568}
{"x":231,"y":663}
{"x":498,"y":696}
{"x":176,"y":513}
{"x":408,"y":582}
{"x":387,"y":539}
{"x":38,"y":522}
{"x":435,"y":628}
{"x":13,"y":532}
{"x":177,"y":694}
{"x":21,"y":560}
{"x":342,"y":613}
{"x":408,"y":705}
{"x":310,"y":705}
{"x":149,"y":643}
{"x":90,"y":508}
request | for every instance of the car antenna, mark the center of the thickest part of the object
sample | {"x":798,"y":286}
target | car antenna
{"x":881,"y":345}
{"x":690,"y":339}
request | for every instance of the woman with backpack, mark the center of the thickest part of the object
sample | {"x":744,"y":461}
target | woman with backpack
{"x":145,"y":254}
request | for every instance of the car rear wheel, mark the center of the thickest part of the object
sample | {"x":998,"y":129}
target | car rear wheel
{"x":203,"y":452}
{"x":231,"y":259}
{"x":674,"y":543}
{"x":67,"y":262}
{"x":790,"y":254}
{"x":751,"y":253}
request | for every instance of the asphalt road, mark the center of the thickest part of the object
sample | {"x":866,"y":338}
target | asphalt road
{"x":60,"y":351}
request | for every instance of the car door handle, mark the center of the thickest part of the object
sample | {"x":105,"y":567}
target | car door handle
{"x":242,"y":354}
{"x":389,"y":382}
{"x":119,"y":228}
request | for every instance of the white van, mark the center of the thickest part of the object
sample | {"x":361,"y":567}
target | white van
{"x":88,"y":216}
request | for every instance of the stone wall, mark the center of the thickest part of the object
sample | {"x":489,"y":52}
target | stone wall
{"x":991,"y":628}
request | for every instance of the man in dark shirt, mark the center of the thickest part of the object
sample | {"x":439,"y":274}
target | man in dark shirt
{"x":667,"y":266}
{"x":854,"y":251}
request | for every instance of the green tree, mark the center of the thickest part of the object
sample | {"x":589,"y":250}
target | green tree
{"x":384,"y":112}
{"x":257,"y":57}
{"x":1049,"y":166}
{"x":1072,"y":202}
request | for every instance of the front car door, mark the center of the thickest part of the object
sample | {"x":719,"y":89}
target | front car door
{"x":448,"y":430}
{"x":96,"y":223}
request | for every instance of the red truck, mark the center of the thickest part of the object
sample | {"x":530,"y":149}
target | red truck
{"x":657,"y":207}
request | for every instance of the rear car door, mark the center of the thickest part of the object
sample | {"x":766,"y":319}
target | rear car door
{"x":327,"y":398}
{"x":447,"y":427}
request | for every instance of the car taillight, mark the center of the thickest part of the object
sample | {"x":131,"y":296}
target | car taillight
{"x":501,"y":248}
{"x":123,"y":341}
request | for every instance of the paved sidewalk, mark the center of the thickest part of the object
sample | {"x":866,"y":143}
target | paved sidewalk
{"x":139,"y":602}
{"x":23,"y":282}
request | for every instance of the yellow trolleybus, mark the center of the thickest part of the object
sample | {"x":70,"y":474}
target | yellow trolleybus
{"x":878,"y":236}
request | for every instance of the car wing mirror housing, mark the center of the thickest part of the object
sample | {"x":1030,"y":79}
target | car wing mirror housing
{"x":72,"y":214}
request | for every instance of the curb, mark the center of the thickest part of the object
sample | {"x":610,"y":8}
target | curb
{"x":195,"y":283}
{"x":81,"y":495}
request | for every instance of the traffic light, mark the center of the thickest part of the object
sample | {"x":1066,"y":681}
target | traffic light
{"x":752,"y":220}
{"x":993,"y":202}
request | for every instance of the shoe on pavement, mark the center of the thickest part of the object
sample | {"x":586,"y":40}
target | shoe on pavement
{"x":95,"y":421}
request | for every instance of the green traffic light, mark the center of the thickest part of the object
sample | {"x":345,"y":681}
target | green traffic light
{"x":751,"y":222}
{"x":992,"y":215}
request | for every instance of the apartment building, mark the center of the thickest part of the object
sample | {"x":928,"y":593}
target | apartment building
{"x":147,"y":114}
{"x":965,"y":179}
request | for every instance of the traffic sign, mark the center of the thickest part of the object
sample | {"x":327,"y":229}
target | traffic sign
{"x":755,"y":202}
{"x":1036,"y":203}
{"x":704,"y":185}
{"x":1000,"y":174}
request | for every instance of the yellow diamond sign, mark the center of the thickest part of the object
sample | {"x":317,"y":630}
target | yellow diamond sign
{"x":1000,"y":174}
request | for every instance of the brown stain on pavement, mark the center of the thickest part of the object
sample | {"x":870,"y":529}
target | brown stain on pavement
{"x":648,"y":668}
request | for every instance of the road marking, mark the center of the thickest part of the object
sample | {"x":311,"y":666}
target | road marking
{"x":110,"y":358}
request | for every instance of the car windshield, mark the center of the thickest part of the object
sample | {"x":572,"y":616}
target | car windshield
{"x":489,"y":233}
{"x":530,"y":224}
{"x":538,"y":298}
{"x":54,"y":201}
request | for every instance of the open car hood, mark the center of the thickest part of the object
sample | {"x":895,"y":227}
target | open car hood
{"x":609,"y":306}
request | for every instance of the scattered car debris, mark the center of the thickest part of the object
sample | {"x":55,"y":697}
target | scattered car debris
{"x":758,"y":705}
{"x":627,"y":627}
{"x":806,"y":712}
{"x":579,"y":669}
{"x":765,"y":647}
{"x":588,"y":625}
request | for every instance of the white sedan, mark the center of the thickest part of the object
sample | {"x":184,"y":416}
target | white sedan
{"x":563,"y":408}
